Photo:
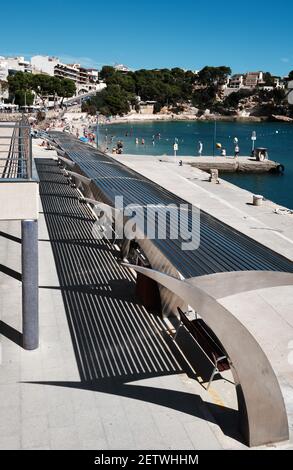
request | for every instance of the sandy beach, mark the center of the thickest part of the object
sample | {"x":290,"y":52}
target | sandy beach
{"x":141,"y":118}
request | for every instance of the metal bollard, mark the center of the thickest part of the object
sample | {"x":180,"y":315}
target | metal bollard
{"x":30,"y":294}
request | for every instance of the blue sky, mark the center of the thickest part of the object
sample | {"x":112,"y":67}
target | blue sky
{"x":248,"y":35}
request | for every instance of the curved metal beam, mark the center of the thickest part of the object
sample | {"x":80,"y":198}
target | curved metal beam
{"x":66,"y":161}
{"x":82,"y":179}
{"x":225,"y":284}
{"x":101,"y":205}
{"x":263,"y":418}
{"x":60,"y":152}
{"x":51,"y":142}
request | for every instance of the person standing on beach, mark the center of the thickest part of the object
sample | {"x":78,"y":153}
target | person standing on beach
{"x":119,"y":147}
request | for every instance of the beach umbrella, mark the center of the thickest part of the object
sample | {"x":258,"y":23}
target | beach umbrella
{"x":83,"y":139}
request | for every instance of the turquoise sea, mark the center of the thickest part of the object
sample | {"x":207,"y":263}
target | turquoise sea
{"x":159,"y":139}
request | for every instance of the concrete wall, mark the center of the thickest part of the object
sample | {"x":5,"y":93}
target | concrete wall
{"x":19,"y":200}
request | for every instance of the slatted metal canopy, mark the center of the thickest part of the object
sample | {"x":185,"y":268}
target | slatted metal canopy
{"x":222,"y":248}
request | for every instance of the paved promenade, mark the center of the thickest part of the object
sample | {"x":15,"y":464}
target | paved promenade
{"x":107,"y":375}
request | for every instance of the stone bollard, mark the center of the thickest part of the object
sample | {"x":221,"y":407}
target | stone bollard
{"x":257,"y":200}
{"x":214,"y":178}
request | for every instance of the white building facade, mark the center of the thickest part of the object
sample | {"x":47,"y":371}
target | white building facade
{"x":253,"y":79}
{"x":44,"y":64}
{"x":85,"y":79}
{"x":236,"y":81}
{"x":10,"y":65}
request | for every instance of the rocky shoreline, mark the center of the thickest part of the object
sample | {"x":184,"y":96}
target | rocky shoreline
{"x":185,"y":117}
{"x":281,"y":118}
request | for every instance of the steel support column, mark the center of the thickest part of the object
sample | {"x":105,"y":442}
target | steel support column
{"x":30,"y":296}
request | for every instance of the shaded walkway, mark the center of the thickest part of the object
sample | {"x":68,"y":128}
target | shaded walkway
{"x":112,"y":334}
{"x":117,"y":343}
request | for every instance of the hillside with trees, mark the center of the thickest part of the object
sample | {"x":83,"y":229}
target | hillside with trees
{"x":176,"y":89}
{"x":166,"y":87}
{"x":23,"y":87}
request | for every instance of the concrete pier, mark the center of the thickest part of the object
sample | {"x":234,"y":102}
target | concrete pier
{"x":223,"y":164}
{"x":235,"y":165}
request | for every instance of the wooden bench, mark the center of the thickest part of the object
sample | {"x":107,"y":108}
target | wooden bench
{"x":207,"y":341}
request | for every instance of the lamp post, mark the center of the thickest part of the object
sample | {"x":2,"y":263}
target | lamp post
{"x":97,"y":132}
{"x":253,"y":138}
{"x":215,"y":137}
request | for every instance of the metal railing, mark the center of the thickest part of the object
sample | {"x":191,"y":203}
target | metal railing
{"x":15,"y":150}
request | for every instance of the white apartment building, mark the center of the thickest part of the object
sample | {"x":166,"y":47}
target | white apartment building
{"x":249,"y":80}
{"x":71,"y":71}
{"x":279,"y":82}
{"x":253,"y":79}
{"x":84,"y":79}
{"x":3,"y":69}
{"x":25,"y":65}
{"x":122,"y":68}
{"x":44,"y":64}
{"x":93,"y":75}
{"x":11,"y":65}
{"x":236,"y":81}
{"x":88,"y":79}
